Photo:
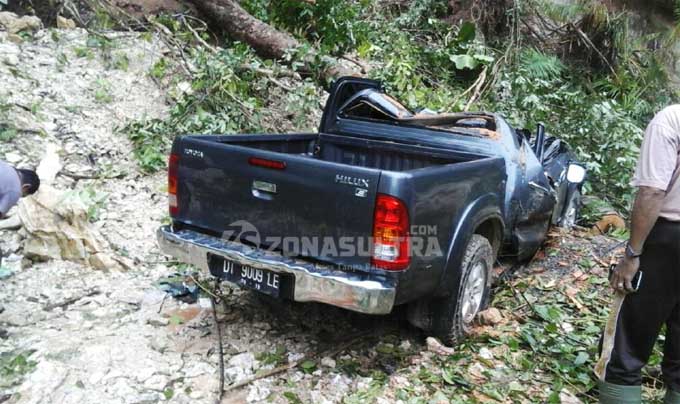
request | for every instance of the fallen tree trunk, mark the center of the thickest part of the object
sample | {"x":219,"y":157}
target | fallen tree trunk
{"x":267,"y":41}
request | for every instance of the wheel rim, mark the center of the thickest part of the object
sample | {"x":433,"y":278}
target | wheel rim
{"x":570,"y":217}
{"x":473,"y":293}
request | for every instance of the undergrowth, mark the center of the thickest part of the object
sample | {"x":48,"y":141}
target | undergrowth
{"x":226,"y":93}
{"x":542,"y":350}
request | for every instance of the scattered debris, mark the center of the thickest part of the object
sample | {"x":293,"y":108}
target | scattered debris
{"x":70,"y":300}
{"x":490,"y":316}
{"x":5,"y":273}
{"x":14,"y":24}
{"x":609,"y":222}
{"x":11,"y":223}
{"x":181,"y":287}
{"x":65,"y":23}
{"x":435,"y":346}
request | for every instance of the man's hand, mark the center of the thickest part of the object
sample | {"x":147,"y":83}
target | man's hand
{"x":623,"y":275}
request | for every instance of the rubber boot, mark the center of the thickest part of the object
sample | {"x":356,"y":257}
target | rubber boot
{"x":616,"y":394}
{"x":672,"y":397}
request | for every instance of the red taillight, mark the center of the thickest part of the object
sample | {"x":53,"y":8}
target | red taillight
{"x":390,"y":234}
{"x":173,"y":167}
{"x":273,"y":164}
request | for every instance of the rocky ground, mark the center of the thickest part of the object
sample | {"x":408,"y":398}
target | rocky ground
{"x":74,"y":334}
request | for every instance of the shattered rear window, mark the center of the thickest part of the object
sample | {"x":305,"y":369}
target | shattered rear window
{"x":373,"y":105}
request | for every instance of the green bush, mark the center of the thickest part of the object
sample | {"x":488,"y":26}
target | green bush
{"x":227,"y":94}
{"x":337,"y":26}
{"x":604,"y":135}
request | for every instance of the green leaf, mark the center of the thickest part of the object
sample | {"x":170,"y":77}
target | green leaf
{"x":308,"y":366}
{"x":581,"y":358}
{"x":467,"y":32}
{"x":464,"y":62}
{"x":483,"y":58}
{"x":175,"y":320}
{"x":292,"y":397}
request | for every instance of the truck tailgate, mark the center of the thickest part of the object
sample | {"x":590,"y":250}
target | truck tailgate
{"x":303,"y":206}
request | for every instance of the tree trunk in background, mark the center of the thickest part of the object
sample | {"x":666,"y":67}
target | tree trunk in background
{"x":228,"y":15}
{"x":267,"y":41}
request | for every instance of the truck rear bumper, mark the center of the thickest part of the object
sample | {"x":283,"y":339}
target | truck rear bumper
{"x":364,"y":293}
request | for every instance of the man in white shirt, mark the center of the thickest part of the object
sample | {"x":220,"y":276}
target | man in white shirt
{"x":653,"y":248}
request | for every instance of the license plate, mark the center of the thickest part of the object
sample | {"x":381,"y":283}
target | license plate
{"x":262,"y":280}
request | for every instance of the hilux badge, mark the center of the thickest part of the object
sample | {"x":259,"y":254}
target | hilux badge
{"x":347,"y":180}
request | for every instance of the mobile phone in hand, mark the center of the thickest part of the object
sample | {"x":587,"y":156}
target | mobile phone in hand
{"x":637,"y":279}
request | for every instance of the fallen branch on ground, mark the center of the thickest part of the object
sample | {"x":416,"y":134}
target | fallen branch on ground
{"x":71,"y":300}
{"x":220,"y":347}
{"x":294,"y":364}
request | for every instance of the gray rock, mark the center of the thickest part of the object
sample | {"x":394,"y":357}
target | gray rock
{"x":328,"y":362}
{"x":156,"y":382}
{"x":244,"y":361}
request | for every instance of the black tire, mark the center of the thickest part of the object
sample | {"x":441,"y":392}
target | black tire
{"x":570,"y":216}
{"x":452,"y":320}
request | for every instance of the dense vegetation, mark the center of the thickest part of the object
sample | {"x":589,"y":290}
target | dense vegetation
{"x":594,"y":83}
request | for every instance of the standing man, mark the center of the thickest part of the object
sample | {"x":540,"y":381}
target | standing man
{"x":15,"y":184}
{"x":653,"y":248}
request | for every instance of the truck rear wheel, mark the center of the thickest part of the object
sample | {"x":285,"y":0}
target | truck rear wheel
{"x":453,"y":316}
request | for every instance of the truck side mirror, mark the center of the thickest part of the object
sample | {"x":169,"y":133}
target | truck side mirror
{"x":576,"y":173}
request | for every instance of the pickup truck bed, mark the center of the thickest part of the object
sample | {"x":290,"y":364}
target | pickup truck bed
{"x":324,"y":190}
{"x":383,"y":155}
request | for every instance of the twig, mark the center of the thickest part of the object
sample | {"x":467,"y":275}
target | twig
{"x":478,"y":87}
{"x":263,"y":375}
{"x":203,"y":288}
{"x":219,"y":339}
{"x":198,"y":37}
{"x":532,"y":30}
{"x":90,"y":176}
{"x":455,"y":100}
{"x":294,"y":364}
{"x":520,"y":293}
{"x":70,"y":300}
{"x":592,"y":45}
{"x":599,"y":260}
{"x":362,"y":65}
{"x":160,"y":308}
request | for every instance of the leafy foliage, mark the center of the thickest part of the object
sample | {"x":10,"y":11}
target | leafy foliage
{"x":225,"y":95}
{"x":543,"y":349}
{"x":13,"y":366}
{"x":599,"y":129}
{"x":598,"y":107}
{"x":7,"y":130}
{"x":336,"y":26}
{"x":539,"y":65}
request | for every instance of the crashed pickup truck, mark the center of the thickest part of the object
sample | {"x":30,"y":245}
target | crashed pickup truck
{"x":383,"y":207}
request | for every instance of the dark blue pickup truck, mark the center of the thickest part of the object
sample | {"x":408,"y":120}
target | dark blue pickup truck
{"x":382,"y":207}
